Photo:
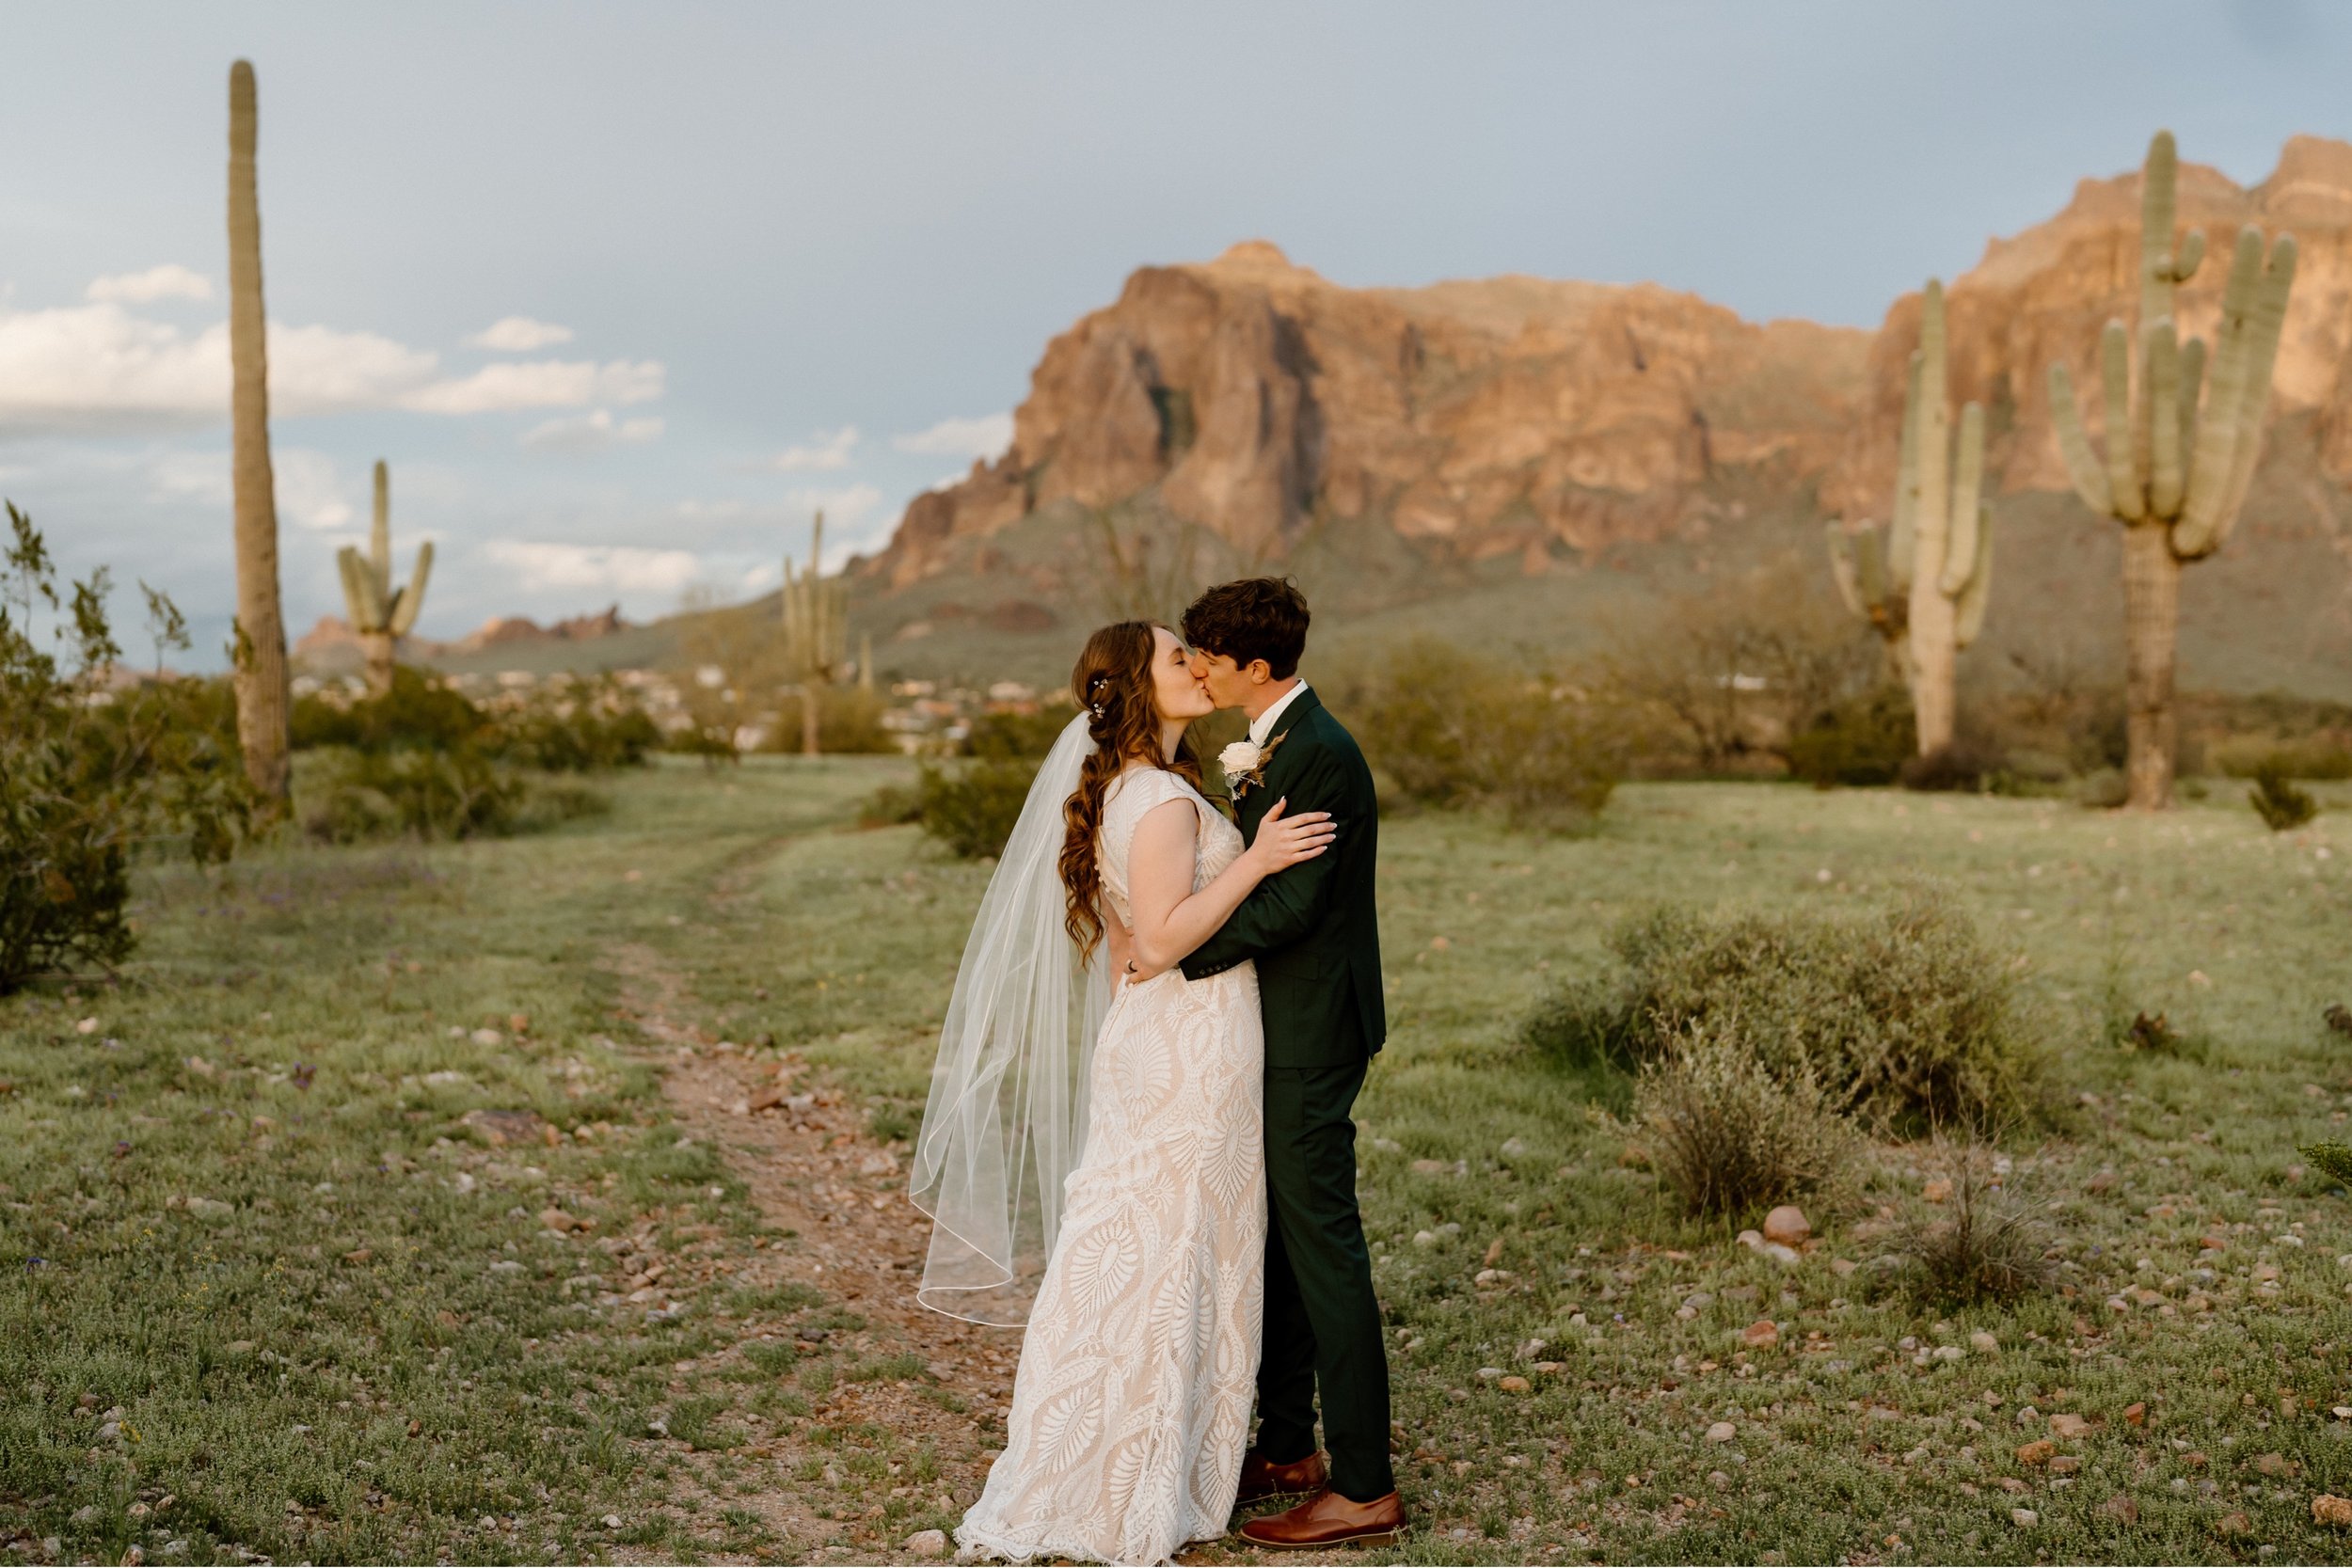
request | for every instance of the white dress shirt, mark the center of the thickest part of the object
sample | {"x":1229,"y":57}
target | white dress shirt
{"x":1262,"y":725}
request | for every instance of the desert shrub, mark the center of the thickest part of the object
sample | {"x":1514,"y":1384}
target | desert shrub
{"x":2281,"y":803}
{"x":420,"y":710}
{"x":1901,"y":1013}
{"x":1969,"y":762}
{"x":1986,"y":1240}
{"x":555,"y":729}
{"x":971,"y":808}
{"x":94,"y":770}
{"x":577,"y":730}
{"x":1453,"y":730}
{"x":412,"y":792}
{"x":2314,"y":757}
{"x":1863,"y":739}
{"x":714,"y":743}
{"x":1010,"y":735}
{"x":1727,"y":1135}
{"x":2332,"y":1159}
{"x":891,"y":807}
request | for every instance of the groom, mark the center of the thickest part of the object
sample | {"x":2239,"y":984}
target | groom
{"x":1316,"y":939}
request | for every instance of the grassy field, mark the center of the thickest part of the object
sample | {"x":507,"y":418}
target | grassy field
{"x":280,"y":1284}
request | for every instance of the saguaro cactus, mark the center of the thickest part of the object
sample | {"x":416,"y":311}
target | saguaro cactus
{"x":264,"y":694}
{"x":1923,"y":581}
{"x":380,"y":613}
{"x":815,"y":631}
{"x":2176,"y":478}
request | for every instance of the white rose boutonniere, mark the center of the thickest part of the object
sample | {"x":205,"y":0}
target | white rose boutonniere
{"x":1244,"y":763}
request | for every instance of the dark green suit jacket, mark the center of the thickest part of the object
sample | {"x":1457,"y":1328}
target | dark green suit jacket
{"x":1312,"y":928}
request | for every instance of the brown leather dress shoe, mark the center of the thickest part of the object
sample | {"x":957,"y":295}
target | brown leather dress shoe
{"x":1329,"y":1519}
{"x":1261,"y":1478}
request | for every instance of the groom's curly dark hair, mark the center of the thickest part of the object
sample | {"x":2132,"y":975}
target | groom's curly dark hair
{"x":1252,"y":619}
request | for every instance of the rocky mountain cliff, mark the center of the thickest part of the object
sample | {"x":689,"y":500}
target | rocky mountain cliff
{"x":1516,"y":416}
{"x":1506,"y":416}
{"x":2044,"y":295}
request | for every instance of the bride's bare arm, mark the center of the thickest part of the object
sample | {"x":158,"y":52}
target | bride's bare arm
{"x":1170,"y":918}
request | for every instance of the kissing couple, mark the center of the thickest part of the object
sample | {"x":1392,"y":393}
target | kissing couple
{"x":1138,"y":1145}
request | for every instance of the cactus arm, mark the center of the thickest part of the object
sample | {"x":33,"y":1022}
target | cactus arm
{"x":2083,"y":467}
{"x":1870,"y":560}
{"x":2115,"y":387}
{"x":2192,"y":381}
{"x":2266,"y":320}
{"x":2182,"y":263}
{"x":411,"y":599}
{"x":362,"y":595}
{"x":1842,"y":568}
{"x":1959,"y":555}
{"x":2212,"y":460}
{"x":2158,"y":174}
{"x":2161,"y":351}
{"x":1901,"y":529}
{"x":1969,"y":612}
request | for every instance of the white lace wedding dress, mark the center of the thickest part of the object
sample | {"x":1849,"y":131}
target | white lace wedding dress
{"x":1132,"y":1405}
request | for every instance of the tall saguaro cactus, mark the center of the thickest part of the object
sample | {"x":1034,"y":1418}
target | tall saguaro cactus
{"x":381,"y":614}
{"x":264,"y":696}
{"x":2173,"y":475}
{"x":1923,"y":582}
{"x":815,"y":631}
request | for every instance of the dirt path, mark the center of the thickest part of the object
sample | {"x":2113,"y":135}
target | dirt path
{"x":853,"y":1240}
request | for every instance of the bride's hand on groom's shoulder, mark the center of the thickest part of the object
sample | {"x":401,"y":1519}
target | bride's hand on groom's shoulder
{"x":1284,"y":842}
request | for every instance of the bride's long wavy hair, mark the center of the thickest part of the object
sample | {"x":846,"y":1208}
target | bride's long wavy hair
{"x":1113,"y":682}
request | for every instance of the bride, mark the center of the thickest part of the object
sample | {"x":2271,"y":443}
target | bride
{"x":1094,"y":1166}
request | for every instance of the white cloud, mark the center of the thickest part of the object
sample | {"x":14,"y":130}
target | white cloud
{"x":540,"y":384}
{"x":830,"y":451}
{"x":100,"y":367}
{"x":622,"y":569}
{"x":986,"y":437}
{"x":591,"y":433}
{"x":520,"y":335}
{"x":168,"y":281}
{"x":310,"y":488}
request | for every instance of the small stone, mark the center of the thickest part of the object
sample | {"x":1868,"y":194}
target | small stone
{"x":611,"y":1521}
{"x":557,"y":1220}
{"x":1763,"y":1334}
{"x":1984,"y":1343}
{"x":2065,"y":1465}
{"x":1424,"y":1238}
{"x":1430,"y":1167}
{"x":1787,"y":1225}
{"x":1721,"y":1432}
{"x":1717,"y":1479}
{"x":1938,"y":1191}
{"x":486,"y":1037}
{"x":2276,"y":1464}
{"x":1842,"y":1267}
{"x":2234,"y":1523}
{"x":927,"y":1543}
{"x":2036,"y":1453}
{"x":2328,"y":1509}
{"x":2122,"y":1508}
{"x":2024,"y":1518}
{"x":1488,"y":1374}
{"x":1514,"y":1385}
{"x":87,"y":1026}
{"x":2135,"y":1414}
{"x":2069,"y":1426}
{"x":1514,"y":1148}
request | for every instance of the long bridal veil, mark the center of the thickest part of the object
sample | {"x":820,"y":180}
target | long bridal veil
{"x":1006,"y":1114}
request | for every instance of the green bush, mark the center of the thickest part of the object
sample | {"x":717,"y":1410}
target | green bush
{"x":1010,"y":735}
{"x":556,"y":729}
{"x":93,"y":769}
{"x":1728,"y":1135}
{"x":419,"y":710}
{"x":1969,"y":763}
{"x":417,"y":793}
{"x":2279,"y":804}
{"x":2314,"y":757}
{"x":1901,"y":1013}
{"x":574,"y":730}
{"x":1866,"y":739}
{"x":1985,"y":1241}
{"x":1453,"y":730}
{"x":972,"y":807}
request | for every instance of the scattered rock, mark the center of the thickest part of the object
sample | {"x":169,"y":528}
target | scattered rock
{"x":1514,"y":1385}
{"x":1763,"y":1334}
{"x":2135,"y":1414}
{"x":1721,"y":1432}
{"x":1488,"y":1374}
{"x":1787,"y":1225}
{"x":927,"y":1543}
{"x":504,"y":1129}
{"x":2234,"y":1523}
{"x":557,"y":1220}
{"x":2036,"y":1453}
{"x":1842,"y":1267}
{"x":1514,"y":1148}
{"x":2069,"y":1426}
{"x":2327,"y":1509}
{"x":1938,"y":1191}
{"x":87,"y":1026}
{"x":2276,"y":1464}
{"x":1778,"y":1252}
{"x":611,"y":1521}
{"x":2024,"y":1518}
{"x":1431,"y":1167}
{"x":2122,"y":1508}
{"x":1494,"y":1252}
{"x":2065,"y":1465}
{"x":1984,"y":1342}
{"x":486,"y":1037}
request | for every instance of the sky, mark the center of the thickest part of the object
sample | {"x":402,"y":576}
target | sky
{"x":625,"y":293}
